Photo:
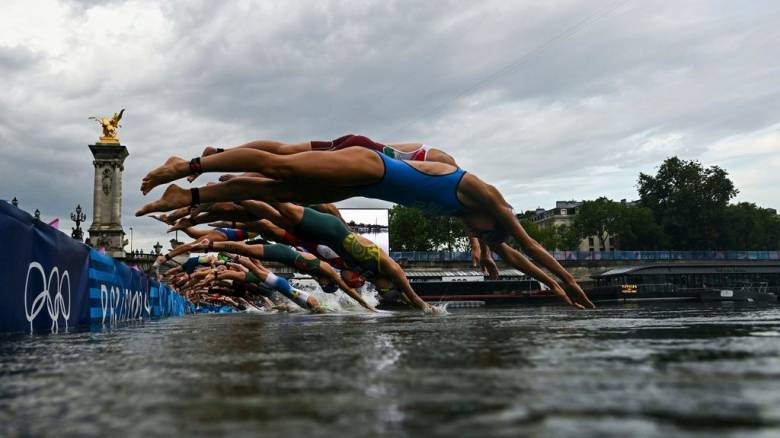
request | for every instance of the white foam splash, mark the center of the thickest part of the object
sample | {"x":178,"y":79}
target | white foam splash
{"x":338,"y":302}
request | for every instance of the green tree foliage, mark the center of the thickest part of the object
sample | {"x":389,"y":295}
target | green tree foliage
{"x":551,"y":238}
{"x":634,"y":227}
{"x":598,"y":218}
{"x":749,"y":227}
{"x":688,"y":201}
{"x":412,"y":230}
{"x":684,"y":206}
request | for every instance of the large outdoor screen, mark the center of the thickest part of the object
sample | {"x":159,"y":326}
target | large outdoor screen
{"x":371,"y":223}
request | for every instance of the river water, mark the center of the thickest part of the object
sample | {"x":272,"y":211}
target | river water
{"x":650,"y":370}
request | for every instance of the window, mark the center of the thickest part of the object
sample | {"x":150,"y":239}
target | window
{"x":563,"y":211}
{"x":590,"y":241}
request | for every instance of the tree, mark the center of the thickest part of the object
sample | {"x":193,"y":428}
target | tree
{"x":408,"y":229}
{"x":632,"y":227}
{"x":749,"y":227}
{"x":412,"y":230}
{"x":636,"y":229}
{"x":688,"y":202}
{"x":568,"y":238}
{"x":597,"y":218}
{"x":552,"y":238}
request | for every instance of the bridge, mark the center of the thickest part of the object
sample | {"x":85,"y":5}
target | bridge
{"x":582,"y":264}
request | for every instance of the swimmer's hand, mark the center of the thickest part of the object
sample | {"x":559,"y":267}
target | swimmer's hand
{"x":580,"y":297}
{"x":489,"y":266}
{"x":475,"y":258}
{"x":558,"y":290}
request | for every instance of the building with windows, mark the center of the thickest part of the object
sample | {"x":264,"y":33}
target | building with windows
{"x":563,"y":215}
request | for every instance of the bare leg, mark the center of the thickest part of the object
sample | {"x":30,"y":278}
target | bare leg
{"x":350,"y":166}
{"x":254,"y":251}
{"x":271,"y":146}
{"x":195,"y":233}
{"x":240,"y":189}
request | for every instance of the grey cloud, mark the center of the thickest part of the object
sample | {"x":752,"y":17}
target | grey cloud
{"x":578,"y":119}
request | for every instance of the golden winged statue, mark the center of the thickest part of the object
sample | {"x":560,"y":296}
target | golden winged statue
{"x":109,"y":125}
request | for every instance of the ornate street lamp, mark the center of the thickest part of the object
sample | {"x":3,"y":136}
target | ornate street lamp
{"x":37,"y":214}
{"x":78,"y":217}
{"x":157,"y":248}
{"x":15,"y":202}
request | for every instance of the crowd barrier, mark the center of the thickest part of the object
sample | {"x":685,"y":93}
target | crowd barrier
{"x":51,"y":282}
{"x":458,"y":256}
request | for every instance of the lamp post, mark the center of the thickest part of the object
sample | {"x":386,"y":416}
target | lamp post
{"x":78,"y":217}
{"x":37,"y":214}
{"x":131,"y":240}
{"x":15,"y":202}
{"x":157,"y":248}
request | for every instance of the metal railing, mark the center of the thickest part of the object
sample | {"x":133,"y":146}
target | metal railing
{"x":458,"y":256}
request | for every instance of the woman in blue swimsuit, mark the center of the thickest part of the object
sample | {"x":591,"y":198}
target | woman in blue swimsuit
{"x":322,"y":177}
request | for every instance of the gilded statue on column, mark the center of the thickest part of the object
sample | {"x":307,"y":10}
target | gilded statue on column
{"x":110,"y":126}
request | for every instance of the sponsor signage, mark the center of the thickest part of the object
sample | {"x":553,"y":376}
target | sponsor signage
{"x":51,"y":282}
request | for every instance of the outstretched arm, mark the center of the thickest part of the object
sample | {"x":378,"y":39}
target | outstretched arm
{"x":490,"y":198}
{"x":486,"y":260}
{"x":392,"y":270}
{"x":334,"y":276}
{"x":476,"y":253}
{"x":514,"y":258}
{"x":538,"y":253}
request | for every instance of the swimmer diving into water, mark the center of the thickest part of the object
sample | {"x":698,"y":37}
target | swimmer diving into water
{"x":324,"y":177}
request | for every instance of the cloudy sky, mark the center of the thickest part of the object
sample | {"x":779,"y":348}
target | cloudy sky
{"x":547,"y":100}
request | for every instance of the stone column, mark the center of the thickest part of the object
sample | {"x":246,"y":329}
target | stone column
{"x":106,"y":229}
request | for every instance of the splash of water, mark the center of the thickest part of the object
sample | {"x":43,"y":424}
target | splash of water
{"x":338,"y":302}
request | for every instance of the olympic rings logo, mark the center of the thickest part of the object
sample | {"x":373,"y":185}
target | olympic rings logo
{"x":56,"y":305}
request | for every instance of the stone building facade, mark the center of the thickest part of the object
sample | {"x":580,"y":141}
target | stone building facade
{"x":563,"y":215}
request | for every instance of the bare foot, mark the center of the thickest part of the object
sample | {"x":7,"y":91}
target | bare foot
{"x":174,"y":197}
{"x":173,"y":169}
{"x":180,"y":225}
{"x":209,"y":150}
{"x":160,"y":217}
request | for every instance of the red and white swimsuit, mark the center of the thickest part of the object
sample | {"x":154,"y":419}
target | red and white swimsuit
{"x":362,"y":141}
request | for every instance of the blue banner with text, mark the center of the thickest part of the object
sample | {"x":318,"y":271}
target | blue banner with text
{"x":51,"y":282}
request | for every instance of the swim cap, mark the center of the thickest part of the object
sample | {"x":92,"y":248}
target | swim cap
{"x":330,"y":287}
{"x":352,"y":279}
